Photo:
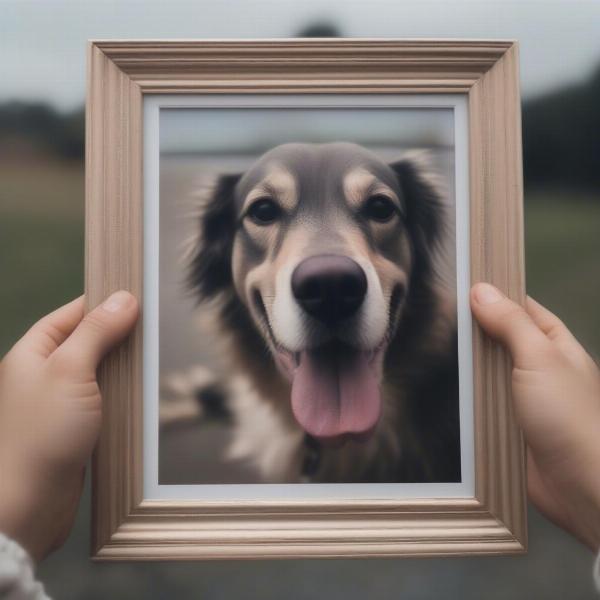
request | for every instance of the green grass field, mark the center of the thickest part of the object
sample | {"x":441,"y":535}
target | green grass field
{"x":41,"y":243}
{"x":562,"y":250}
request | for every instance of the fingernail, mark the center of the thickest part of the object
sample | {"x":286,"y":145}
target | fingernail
{"x":117,"y":301}
{"x":487,"y":294}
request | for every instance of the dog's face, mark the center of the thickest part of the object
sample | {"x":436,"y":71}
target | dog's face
{"x":321,"y":244}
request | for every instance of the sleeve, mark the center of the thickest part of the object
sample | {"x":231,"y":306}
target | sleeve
{"x":17,"y":581}
{"x":597,"y":572}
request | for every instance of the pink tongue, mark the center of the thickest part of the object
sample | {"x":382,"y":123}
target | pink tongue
{"x":334,"y":393}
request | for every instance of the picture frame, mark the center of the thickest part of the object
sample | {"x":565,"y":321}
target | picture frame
{"x":122,"y":75}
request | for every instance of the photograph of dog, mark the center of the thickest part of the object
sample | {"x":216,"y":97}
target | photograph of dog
{"x":315,"y":273}
{"x":316,"y":266}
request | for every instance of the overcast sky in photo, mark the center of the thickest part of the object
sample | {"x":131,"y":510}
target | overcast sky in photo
{"x":222,"y":130}
{"x":43,"y":54}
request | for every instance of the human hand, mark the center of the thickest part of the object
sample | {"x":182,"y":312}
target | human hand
{"x":556,"y":396}
{"x":50,"y":415}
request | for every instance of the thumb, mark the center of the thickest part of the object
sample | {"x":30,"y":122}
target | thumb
{"x":99,"y":331}
{"x":507,"y":322}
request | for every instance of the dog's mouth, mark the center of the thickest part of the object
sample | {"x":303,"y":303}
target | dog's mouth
{"x":335,"y":390}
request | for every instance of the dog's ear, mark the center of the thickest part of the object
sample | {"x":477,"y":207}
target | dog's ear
{"x":210,"y":266}
{"x":424,"y":204}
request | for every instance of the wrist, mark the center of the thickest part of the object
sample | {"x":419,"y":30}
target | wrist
{"x":16,"y":515}
{"x":38,"y":505}
{"x":586,"y":509}
{"x":25,"y":501}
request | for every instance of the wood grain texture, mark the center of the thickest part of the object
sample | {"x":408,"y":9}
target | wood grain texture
{"x":497,"y":256}
{"x":293,"y":66}
{"x":125,"y":526}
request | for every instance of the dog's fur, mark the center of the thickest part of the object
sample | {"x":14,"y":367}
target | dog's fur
{"x":237,"y":266}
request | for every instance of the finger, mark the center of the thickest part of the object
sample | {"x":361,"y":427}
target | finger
{"x":99,"y":331}
{"x":45,"y":336}
{"x":509,"y":323}
{"x":547,"y":321}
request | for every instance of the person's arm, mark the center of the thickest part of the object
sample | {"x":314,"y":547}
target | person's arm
{"x":556,"y":395}
{"x":50,"y":414}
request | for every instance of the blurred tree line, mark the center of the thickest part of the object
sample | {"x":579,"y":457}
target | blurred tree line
{"x":561,"y":134}
{"x":37,"y":128}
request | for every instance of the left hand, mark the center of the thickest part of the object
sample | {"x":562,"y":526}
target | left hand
{"x":50,"y":415}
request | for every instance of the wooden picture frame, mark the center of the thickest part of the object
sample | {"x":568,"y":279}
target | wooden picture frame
{"x":128,"y":526}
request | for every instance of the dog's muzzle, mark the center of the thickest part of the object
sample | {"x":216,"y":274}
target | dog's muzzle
{"x":335,"y":390}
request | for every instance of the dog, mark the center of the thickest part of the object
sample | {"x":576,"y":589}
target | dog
{"x":316,"y":265}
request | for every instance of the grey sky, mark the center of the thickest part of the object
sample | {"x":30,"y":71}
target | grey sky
{"x":42,"y":43}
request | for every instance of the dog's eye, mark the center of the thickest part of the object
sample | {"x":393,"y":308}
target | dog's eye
{"x":379,"y":208}
{"x":264,"y":211}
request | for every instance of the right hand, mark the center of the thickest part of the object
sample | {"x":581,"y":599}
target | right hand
{"x":556,"y":395}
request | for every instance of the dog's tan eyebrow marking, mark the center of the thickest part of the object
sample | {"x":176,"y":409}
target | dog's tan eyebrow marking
{"x":278,"y":184}
{"x":359,"y":184}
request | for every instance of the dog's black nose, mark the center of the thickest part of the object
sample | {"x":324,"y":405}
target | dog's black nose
{"x":329,"y":287}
